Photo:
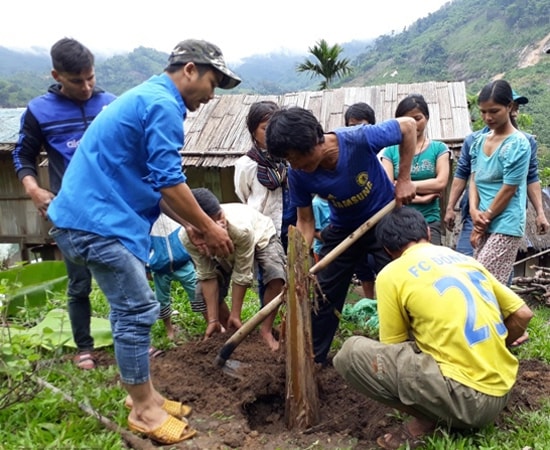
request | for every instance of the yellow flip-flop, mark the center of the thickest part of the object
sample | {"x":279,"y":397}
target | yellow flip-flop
{"x":174,"y":408}
{"x":171,"y":431}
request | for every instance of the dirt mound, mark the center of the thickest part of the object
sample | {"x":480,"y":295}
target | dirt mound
{"x":249,"y":412}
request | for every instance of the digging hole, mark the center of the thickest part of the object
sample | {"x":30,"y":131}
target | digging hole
{"x":265,"y":412}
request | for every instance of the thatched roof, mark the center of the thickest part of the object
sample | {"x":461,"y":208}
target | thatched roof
{"x":10,"y":120}
{"x":216,"y":134}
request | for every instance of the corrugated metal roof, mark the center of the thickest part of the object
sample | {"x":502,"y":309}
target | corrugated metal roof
{"x":216,"y":134}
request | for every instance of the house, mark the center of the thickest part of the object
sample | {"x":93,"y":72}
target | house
{"x":216,"y":136}
{"x":19,"y":222}
{"x":533,"y":246}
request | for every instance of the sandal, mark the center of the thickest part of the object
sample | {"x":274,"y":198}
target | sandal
{"x":398,"y":438}
{"x":174,"y":408}
{"x":170,"y":432}
{"x":155,"y":352}
{"x":177,"y":409}
{"x":85,"y":361}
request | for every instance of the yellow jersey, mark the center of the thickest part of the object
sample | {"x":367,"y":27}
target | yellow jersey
{"x":455,"y":310}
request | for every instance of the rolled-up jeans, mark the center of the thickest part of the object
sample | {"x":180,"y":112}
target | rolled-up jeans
{"x":122,"y":278}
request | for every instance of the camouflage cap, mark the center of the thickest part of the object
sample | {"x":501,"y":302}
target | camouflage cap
{"x":203,"y":52}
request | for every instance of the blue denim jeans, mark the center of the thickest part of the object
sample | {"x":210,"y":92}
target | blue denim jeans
{"x":163,"y":286}
{"x":463,"y":244}
{"x":122,"y":278}
{"x":80,"y":311}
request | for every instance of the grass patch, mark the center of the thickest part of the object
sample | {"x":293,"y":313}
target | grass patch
{"x":45,"y":420}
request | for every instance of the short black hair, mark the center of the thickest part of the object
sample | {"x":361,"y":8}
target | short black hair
{"x":410,"y":102}
{"x":293,"y":129}
{"x":258,"y":113}
{"x":400,"y":227}
{"x":360,"y":111}
{"x":208,"y":202}
{"x":70,"y":56}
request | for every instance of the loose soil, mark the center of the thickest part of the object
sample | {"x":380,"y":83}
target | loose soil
{"x":249,"y":413}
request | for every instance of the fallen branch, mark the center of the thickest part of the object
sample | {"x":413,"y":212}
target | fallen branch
{"x":524,"y":290}
{"x":542,"y":269}
{"x":540,"y":286}
{"x":530,"y":280}
{"x":134,"y":441}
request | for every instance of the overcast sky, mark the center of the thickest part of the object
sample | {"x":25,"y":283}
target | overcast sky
{"x":240,"y":27}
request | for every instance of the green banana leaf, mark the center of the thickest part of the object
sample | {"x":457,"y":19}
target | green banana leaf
{"x":55,"y":331}
{"x":28,"y":286}
{"x":33,"y":283}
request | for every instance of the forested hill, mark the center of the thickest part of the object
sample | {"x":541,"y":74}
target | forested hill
{"x":470,"y":40}
{"x":473,"y":41}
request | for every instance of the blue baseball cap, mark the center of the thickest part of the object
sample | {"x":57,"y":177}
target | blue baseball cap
{"x":519,"y":99}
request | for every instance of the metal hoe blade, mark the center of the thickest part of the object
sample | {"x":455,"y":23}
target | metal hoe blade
{"x":235,"y":369}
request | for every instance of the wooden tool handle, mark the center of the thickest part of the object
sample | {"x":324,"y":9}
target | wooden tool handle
{"x":246,"y":329}
{"x":354,"y":236}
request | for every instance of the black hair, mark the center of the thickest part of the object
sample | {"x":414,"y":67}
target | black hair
{"x":258,"y":113}
{"x":400,"y":227}
{"x":208,"y":202}
{"x":293,"y":129}
{"x":360,"y":111}
{"x":411,"y":102}
{"x":500,"y":92}
{"x":70,"y":56}
{"x":201,"y":68}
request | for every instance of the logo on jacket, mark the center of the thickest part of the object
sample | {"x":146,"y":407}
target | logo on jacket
{"x":73,"y":143}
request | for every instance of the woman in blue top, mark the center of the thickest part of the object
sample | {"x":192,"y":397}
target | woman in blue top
{"x":430,"y":166}
{"x":498,"y":184}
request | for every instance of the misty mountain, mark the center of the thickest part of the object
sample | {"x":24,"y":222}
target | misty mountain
{"x":473,"y":41}
{"x":23,"y":75}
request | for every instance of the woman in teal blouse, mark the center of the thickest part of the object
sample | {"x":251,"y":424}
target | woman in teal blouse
{"x":430,"y":166}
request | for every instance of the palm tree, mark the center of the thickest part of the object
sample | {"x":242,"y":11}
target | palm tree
{"x":328,"y":66}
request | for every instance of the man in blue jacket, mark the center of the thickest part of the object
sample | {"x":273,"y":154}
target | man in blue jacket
{"x":127,"y":169}
{"x":56,"y":122}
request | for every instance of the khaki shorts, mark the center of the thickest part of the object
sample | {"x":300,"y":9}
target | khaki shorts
{"x":224,"y":280}
{"x":272,"y":260}
{"x":400,"y":374}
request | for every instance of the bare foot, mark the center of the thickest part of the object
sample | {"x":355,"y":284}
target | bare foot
{"x":419,"y":427}
{"x":150,"y":418}
{"x":410,"y":433}
{"x":158,"y":401}
{"x":170,"y":334}
{"x":271,"y":342}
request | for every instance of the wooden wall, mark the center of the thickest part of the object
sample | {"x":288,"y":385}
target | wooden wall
{"x":20,"y":222}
